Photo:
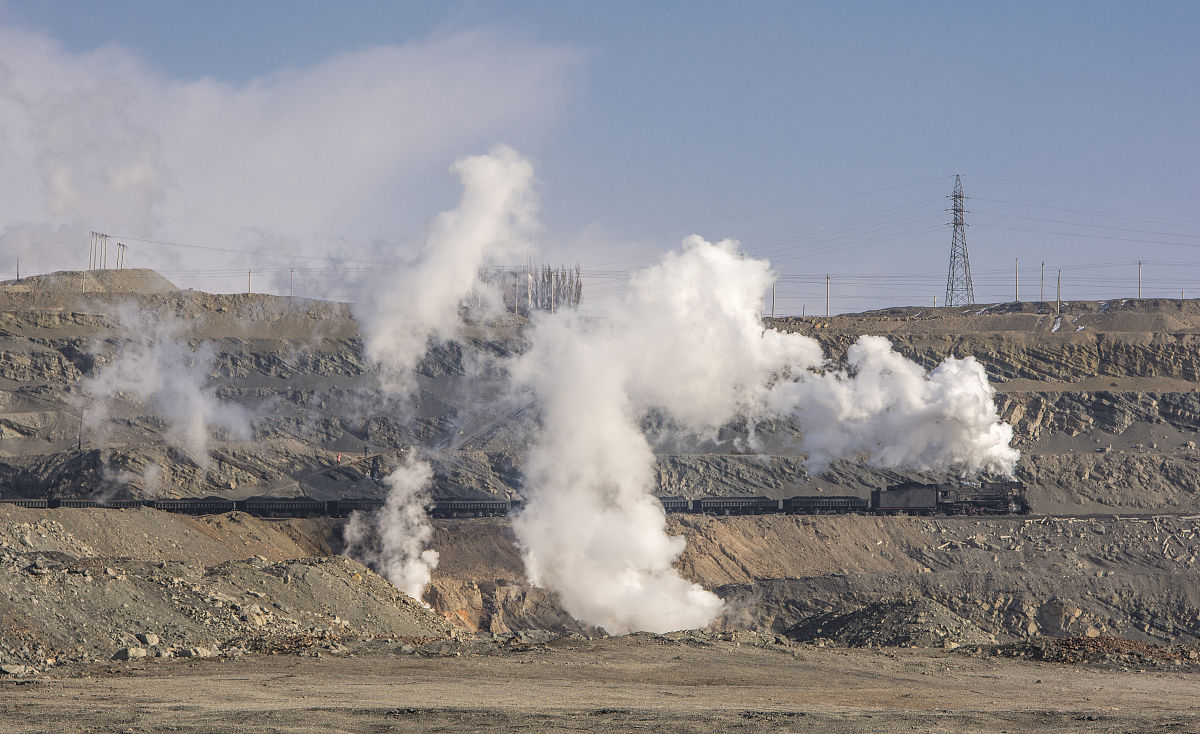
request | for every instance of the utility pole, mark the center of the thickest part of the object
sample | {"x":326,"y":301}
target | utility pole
{"x":98,"y":251}
{"x":1058,"y":308}
{"x":1042,"y":289}
{"x":247,"y":282}
{"x":826,"y":295}
{"x":772,"y":300}
{"x":1139,"y":280}
{"x":291,"y":277}
{"x":1016,"y":298}
{"x":959,"y":289}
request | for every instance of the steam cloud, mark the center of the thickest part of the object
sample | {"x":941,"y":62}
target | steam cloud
{"x":408,"y":308}
{"x":687,"y":340}
{"x":394,"y":541}
{"x":412,"y":305}
{"x":888,"y":408}
{"x":156,"y":366}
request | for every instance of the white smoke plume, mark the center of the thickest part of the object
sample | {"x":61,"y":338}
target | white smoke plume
{"x":394,"y":540}
{"x":890,"y":409}
{"x":156,"y":367}
{"x":408,"y":307}
{"x":687,"y":340}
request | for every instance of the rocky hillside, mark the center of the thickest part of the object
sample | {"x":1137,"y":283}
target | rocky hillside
{"x":1103,"y":398}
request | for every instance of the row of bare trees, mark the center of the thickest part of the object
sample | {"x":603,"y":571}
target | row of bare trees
{"x":537,"y":287}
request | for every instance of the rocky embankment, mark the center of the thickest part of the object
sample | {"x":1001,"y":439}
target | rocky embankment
{"x":1012,"y":578}
{"x":87,"y":586}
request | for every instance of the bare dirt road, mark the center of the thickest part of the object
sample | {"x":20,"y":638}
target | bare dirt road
{"x":680,"y":683}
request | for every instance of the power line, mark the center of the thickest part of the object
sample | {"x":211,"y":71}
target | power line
{"x":1084,"y":235}
{"x":261,"y":253}
{"x":692,"y":225}
{"x":1083,"y":224}
{"x":1084,"y":188}
{"x":1093,"y":212}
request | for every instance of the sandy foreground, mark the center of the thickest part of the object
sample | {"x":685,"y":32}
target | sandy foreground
{"x":638,"y":683}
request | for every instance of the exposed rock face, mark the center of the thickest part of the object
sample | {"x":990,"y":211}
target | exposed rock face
{"x":499,"y":608}
{"x":915,"y":622}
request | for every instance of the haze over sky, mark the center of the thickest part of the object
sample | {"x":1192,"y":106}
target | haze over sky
{"x":824,"y":136}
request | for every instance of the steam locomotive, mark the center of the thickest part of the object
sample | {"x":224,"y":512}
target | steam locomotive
{"x":909,"y":498}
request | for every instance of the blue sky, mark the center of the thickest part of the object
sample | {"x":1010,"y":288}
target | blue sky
{"x":821,"y":135}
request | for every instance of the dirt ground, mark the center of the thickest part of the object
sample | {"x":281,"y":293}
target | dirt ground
{"x":635,"y":683}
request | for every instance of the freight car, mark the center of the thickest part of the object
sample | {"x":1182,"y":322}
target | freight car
{"x":676,"y":504}
{"x":822,"y":505}
{"x":470,"y":508}
{"x":195,"y":505}
{"x":343,"y":507}
{"x":283,"y":506}
{"x":736,"y":505}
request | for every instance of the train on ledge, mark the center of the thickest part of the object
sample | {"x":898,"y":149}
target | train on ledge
{"x":910,"y":498}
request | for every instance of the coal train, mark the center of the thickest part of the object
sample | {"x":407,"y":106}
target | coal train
{"x":910,"y":498}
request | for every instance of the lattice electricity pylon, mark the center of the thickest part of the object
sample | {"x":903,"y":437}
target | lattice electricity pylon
{"x":959,"y":290}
